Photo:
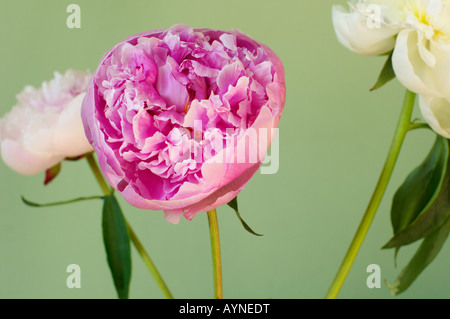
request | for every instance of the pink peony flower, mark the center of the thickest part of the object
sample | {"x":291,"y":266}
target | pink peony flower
{"x":45,"y":126}
{"x":182,"y":118}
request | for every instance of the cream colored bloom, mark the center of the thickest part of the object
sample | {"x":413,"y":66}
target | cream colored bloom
{"x":367,"y":27}
{"x":45,"y":126}
{"x":418,"y":31}
{"x":421,"y":59}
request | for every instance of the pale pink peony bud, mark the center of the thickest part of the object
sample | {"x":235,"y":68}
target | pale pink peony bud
{"x":45,"y":126}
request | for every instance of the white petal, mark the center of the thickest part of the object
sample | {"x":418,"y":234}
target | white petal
{"x":436,"y":112}
{"x":409,"y":67}
{"x":353,"y":32}
{"x":25,"y":161}
{"x":172,"y":216}
{"x":434,"y":7}
{"x":69,"y":136}
{"x":425,"y":54}
{"x":441,"y":71}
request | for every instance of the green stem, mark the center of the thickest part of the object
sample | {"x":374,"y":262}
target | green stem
{"x":147,"y":260}
{"x":415,"y":126}
{"x":403,"y":126}
{"x":98,"y":175}
{"x":215,"y":249}
{"x":149,"y":263}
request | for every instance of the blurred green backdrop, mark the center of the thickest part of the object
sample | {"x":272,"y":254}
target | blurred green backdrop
{"x":334,"y":135}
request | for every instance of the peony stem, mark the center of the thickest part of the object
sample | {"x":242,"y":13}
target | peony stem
{"x":403,"y":126}
{"x":415,"y":126}
{"x":215,"y":249}
{"x":149,"y":263}
{"x":98,"y":175}
{"x":147,"y":260}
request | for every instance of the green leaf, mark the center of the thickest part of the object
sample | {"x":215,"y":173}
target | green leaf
{"x":79,"y":199}
{"x":421,"y":204}
{"x":117,"y":245}
{"x":427,"y":251}
{"x":234,"y":204}
{"x":420,"y":187}
{"x":51,"y":173}
{"x":386,"y":74}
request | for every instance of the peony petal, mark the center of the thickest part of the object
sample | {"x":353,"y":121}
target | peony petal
{"x":229,"y":75}
{"x":409,"y":67}
{"x":69,"y":138}
{"x":353,"y":32}
{"x":441,"y":71}
{"x":170,"y":89}
{"x":222,"y":196}
{"x":172,"y":217}
{"x":24,"y":161}
{"x":436,"y":111}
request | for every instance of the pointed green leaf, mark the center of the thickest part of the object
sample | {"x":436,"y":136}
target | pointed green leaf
{"x":234,"y":204}
{"x":427,"y":251}
{"x":117,"y":245}
{"x":419,"y":188}
{"x":79,"y":199}
{"x":386,"y":74}
{"x":421,"y":204}
{"x":51,"y":173}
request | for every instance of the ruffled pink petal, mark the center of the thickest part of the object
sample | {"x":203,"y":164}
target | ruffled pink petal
{"x":164,"y":142}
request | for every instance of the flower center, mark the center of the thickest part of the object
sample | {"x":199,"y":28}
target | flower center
{"x":431,"y":17}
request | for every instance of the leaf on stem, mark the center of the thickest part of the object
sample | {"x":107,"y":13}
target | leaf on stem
{"x":421,"y":204}
{"x":117,"y":245}
{"x":386,"y":74}
{"x":79,"y":199}
{"x":51,"y":173}
{"x":234,"y":204}
{"x":427,"y":251}
{"x":421,"y":209}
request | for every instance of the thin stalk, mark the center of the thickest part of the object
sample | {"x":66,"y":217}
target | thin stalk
{"x":216,"y":257}
{"x":149,"y":263}
{"x":135,"y":240}
{"x":403,"y":126}
{"x":415,"y":126}
{"x":98,"y":175}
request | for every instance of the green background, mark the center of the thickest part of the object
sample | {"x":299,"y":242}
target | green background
{"x":334,"y":135}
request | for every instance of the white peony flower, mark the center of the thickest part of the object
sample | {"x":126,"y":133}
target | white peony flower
{"x":418,"y":31}
{"x":367,"y":27}
{"x":45,"y":126}
{"x":421,"y":59}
